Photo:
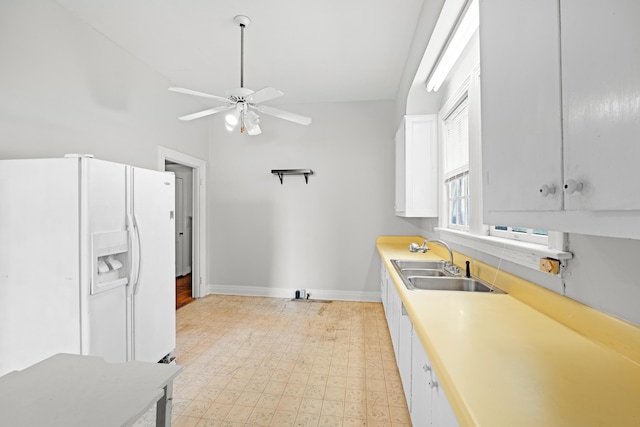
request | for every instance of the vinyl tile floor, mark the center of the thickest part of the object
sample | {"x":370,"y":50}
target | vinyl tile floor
{"x":280,"y":362}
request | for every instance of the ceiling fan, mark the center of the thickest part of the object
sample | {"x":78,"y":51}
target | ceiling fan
{"x":242,"y":103}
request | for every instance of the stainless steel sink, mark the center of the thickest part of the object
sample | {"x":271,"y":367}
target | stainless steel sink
{"x":462,"y":284}
{"x":434,"y":276}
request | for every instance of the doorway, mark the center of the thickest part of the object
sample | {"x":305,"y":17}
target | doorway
{"x":183,"y":230}
{"x":190,"y":223}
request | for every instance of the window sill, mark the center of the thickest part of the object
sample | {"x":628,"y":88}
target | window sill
{"x":521,"y":253}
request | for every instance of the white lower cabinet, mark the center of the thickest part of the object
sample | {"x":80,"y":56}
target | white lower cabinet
{"x":393,"y":317}
{"x":427,"y":402}
{"x":400,"y":329}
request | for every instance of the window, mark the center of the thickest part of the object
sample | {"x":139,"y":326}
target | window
{"x":456,"y":166}
{"x":458,"y":195}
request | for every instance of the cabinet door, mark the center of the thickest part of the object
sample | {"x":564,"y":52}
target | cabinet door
{"x":404,"y":353}
{"x":401,"y":170}
{"x":395,"y":307}
{"x":443,"y":415}
{"x":383,"y":288}
{"x":601,"y":93}
{"x":421,"y":402}
{"x":392,"y":309}
{"x":417,"y":167}
{"x":521,"y":105}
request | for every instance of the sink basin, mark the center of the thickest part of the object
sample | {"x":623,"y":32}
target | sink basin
{"x":426,"y":268}
{"x":462,"y":284}
{"x":402,"y":264}
{"x":423,"y":272}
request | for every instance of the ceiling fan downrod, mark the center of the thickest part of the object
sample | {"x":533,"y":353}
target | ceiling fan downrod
{"x":243,"y":21}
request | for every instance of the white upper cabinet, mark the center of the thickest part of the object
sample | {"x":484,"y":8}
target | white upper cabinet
{"x":601,"y":99}
{"x":417,"y":166}
{"x":521,"y":105}
{"x":561,"y":114}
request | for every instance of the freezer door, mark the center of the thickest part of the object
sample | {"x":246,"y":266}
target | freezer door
{"x":39,"y":261}
{"x":153,"y":279}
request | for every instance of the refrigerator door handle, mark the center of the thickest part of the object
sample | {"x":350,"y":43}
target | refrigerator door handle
{"x":134,"y":242}
{"x":138,"y":251}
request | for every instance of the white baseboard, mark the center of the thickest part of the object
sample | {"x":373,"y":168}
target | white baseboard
{"x":360,"y":296}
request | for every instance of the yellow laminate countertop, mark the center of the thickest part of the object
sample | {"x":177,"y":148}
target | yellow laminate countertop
{"x":503,"y":363}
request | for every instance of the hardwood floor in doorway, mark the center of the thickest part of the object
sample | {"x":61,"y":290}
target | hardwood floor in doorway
{"x":183,"y":290}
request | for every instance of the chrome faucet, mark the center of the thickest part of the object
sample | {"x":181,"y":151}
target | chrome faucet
{"x":453,"y":269}
{"x":443,"y":243}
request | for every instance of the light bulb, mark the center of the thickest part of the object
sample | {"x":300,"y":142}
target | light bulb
{"x":231,"y":119}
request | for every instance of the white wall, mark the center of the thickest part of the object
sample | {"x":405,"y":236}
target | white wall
{"x":604,"y":275}
{"x":64,"y":88}
{"x":318,"y":236}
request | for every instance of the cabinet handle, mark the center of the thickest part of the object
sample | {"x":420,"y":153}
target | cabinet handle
{"x":426,"y":368}
{"x":571,"y":186}
{"x":545,"y":190}
{"x":434,"y":384}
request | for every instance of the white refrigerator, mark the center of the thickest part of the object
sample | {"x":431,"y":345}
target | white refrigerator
{"x":86,"y":261}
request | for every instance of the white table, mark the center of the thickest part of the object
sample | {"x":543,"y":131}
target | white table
{"x":71,"y":390}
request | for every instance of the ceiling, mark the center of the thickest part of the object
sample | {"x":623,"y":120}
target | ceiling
{"x":314,"y":51}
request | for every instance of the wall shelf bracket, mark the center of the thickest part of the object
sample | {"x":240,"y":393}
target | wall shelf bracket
{"x":282,"y":172}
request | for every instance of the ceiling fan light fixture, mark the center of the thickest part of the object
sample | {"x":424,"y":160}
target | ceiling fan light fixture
{"x":252,"y":123}
{"x":252,"y":118}
{"x":232,"y":118}
{"x":254,"y":130}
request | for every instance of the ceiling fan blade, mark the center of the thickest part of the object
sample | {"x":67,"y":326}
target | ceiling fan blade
{"x":204,"y":113}
{"x":264,"y":94}
{"x":276,"y":112}
{"x":195,"y":93}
